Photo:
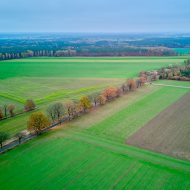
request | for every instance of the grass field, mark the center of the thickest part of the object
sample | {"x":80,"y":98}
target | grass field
{"x":91,"y":152}
{"x":52,"y":90}
{"x":84,"y":155}
{"x":173,"y":83}
{"x":83,"y":67}
{"x":61,"y":160}
{"x":46,"y":80}
{"x":125,"y":122}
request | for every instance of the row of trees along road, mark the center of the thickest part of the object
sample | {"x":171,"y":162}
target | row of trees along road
{"x":56,"y":112}
{"x":71,"y":109}
{"x":7,"y":111}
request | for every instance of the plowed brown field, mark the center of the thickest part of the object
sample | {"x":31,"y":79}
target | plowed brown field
{"x":168,"y":132}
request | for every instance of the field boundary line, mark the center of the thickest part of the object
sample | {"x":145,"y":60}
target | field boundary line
{"x":168,"y":85}
{"x":136,"y":153}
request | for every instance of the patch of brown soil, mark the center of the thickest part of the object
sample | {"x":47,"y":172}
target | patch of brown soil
{"x":168,"y":132}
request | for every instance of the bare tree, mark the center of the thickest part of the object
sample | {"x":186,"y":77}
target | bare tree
{"x":1,"y":114}
{"x":11,"y":109}
{"x":70,"y":107}
{"x":20,"y":136}
{"x":30,"y":105}
{"x":5,"y":110}
{"x":93,"y":98}
{"x":56,"y":111}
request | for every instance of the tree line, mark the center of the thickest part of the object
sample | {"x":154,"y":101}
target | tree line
{"x":58,"y":112}
{"x":172,"y":72}
{"x":101,"y":51}
{"x":8,"y":110}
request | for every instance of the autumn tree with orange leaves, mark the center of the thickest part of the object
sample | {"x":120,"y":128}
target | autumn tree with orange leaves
{"x":101,"y":100}
{"x":131,"y":84}
{"x":110,"y":93}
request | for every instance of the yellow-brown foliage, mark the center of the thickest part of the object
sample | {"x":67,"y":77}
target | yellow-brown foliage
{"x":37,"y":122}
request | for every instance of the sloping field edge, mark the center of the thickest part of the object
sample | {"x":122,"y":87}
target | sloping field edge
{"x":133,"y":152}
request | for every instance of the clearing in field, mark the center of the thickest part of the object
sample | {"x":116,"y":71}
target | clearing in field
{"x":168,"y":132}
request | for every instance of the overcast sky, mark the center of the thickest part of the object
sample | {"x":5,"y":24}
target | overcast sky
{"x":94,"y":15}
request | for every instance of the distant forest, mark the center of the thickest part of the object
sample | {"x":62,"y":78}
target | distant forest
{"x":14,"y":46}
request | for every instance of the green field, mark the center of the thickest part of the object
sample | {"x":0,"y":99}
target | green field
{"x":174,"y":83}
{"x":83,"y":67}
{"x":182,"y":51}
{"x":81,"y":155}
{"x":128,"y":120}
{"x":90,"y":152}
{"x":44,"y":91}
{"x":62,"y":161}
{"x":46,"y":80}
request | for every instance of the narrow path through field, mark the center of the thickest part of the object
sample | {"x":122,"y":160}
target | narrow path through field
{"x":167,"y":85}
